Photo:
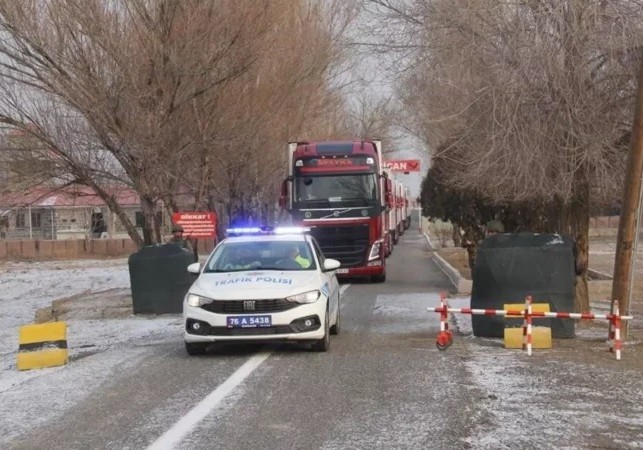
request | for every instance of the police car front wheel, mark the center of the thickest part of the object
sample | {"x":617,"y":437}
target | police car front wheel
{"x":323,"y":344}
{"x":195,"y":348}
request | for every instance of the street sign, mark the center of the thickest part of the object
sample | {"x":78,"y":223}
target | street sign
{"x":403,"y":165}
{"x":196,"y":224}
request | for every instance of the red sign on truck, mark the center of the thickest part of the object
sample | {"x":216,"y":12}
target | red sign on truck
{"x":196,"y":224}
{"x":403,"y":165}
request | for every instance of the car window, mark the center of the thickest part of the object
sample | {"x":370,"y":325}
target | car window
{"x":320,"y":254}
{"x":264,"y":255}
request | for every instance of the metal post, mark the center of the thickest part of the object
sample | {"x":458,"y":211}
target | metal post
{"x":30,"y":227}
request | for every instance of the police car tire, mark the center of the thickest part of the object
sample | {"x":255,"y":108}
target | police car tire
{"x":323,"y":344}
{"x":335,"y":328}
{"x":195,"y":348}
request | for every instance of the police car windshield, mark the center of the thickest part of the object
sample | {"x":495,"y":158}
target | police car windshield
{"x":261,"y":255}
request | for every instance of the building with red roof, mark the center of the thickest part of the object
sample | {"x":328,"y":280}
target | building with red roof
{"x":72,"y":212}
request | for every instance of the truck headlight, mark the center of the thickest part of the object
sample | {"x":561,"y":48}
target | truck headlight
{"x":197,"y":300}
{"x":305,"y":297}
{"x":375,"y":250}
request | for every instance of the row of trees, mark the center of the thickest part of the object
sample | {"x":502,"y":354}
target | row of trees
{"x":527,"y":105}
{"x":188,"y":102}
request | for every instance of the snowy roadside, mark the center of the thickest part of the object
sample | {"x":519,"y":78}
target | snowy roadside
{"x":26,"y":287}
{"x":574,"y":395}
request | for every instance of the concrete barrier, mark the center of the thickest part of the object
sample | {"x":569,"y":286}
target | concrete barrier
{"x":461,"y":284}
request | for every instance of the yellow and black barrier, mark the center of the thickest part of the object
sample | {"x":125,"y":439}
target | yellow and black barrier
{"x":541,"y":335}
{"x":42,"y":345}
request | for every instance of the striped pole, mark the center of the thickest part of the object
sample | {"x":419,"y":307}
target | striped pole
{"x":610,"y":331}
{"x":444,"y":315}
{"x":445,"y":338}
{"x":534,"y":314}
{"x":528,"y":317}
{"x":617,"y":332}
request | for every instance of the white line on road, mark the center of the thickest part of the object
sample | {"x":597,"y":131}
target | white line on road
{"x":187,"y":423}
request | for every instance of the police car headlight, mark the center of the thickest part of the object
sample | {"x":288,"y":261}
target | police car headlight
{"x":375,"y":251}
{"x":197,"y":300}
{"x":306,"y":297}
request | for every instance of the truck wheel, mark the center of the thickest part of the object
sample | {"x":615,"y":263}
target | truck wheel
{"x":196,"y":348}
{"x":378,"y":278}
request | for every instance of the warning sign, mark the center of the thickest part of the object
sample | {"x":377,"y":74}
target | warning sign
{"x":403,"y":165}
{"x":198,"y":224}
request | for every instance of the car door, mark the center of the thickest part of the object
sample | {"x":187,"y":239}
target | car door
{"x":330,"y":278}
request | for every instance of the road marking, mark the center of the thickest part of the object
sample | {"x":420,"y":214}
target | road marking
{"x":341,"y":293}
{"x":171,"y":438}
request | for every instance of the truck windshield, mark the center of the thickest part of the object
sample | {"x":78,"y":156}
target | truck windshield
{"x":336,"y":188}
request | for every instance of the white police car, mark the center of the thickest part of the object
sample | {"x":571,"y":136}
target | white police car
{"x":262,"y":284}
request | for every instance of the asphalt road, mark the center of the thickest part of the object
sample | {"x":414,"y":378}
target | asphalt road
{"x":383,"y":384}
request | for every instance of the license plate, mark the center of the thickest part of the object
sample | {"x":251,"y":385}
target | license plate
{"x":341,"y":271}
{"x":249,"y":321}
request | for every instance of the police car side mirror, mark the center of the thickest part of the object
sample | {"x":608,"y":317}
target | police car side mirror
{"x":194,"y":268}
{"x":331,"y":264}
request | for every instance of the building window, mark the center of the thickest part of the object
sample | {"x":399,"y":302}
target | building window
{"x":140,"y":219}
{"x":36,"y":220}
{"x":20,"y":220}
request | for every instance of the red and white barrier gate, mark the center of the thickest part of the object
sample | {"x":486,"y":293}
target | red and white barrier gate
{"x":445,"y":337}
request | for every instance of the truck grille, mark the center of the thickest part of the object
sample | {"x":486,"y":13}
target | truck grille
{"x":260,"y":306}
{"x":348,"y":244}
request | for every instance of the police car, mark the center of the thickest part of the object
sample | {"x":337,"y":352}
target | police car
{"x":263,"y":284}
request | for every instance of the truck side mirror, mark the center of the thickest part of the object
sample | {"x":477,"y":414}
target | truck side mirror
{"x":388,"y":193}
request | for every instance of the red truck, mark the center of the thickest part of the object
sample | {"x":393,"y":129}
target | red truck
{"x":338,"y":190}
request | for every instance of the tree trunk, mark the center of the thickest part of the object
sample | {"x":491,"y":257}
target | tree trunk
{"x":579,"y":224}
{"x":455,"y":235}
{"x":148,"y":210}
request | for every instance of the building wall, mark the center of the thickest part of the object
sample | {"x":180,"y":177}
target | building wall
{"x":70,"y":222}
{"x":41,"y":224}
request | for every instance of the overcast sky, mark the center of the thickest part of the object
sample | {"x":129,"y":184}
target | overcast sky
{"x":369,"y":76}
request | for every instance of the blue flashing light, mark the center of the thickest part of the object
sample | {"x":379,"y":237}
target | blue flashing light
{"x":244,"y":230}
{"x":249,"y":231}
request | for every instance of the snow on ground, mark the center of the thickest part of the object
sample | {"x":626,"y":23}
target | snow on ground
{"x":26,"y":287}
{"x":552,"y":399}
{"x":113,"y":345}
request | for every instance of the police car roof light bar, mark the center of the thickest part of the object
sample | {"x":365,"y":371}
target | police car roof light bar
{"x":292,"y":230}
{"x":266,"y":230}
{"x":244,"y":230}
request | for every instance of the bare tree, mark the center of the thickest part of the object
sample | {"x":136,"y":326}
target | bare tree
{"x":533,"y":97}
{"x":179,"y":99}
